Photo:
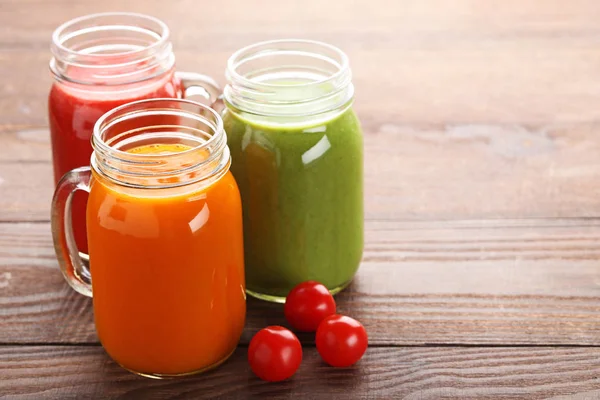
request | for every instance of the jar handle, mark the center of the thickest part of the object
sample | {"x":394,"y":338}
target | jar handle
{"x":73,"y":264}
{"x":194,"y":84}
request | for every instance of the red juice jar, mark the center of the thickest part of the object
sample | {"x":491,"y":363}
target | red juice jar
{"x":100,"y":62}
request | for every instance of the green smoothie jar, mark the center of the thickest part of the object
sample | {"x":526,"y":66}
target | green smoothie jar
{"x":297,"y":156}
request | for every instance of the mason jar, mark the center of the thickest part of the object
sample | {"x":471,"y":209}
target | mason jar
{"x":164,"y":227}
{"x":297,"y":156}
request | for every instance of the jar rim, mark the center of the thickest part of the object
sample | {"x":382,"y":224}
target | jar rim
{"x":111,"y":49}
{"x":113,"y":162}
{"x":241,"y":54}
{"x":57,"y":40}
{"x":98,"y":140}
{"x":289,"y":81}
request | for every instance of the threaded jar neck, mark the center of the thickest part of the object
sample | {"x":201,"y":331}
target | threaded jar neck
{"x":289,"y":80}
{"x":160,"y":122}
{"x":111,"y":49}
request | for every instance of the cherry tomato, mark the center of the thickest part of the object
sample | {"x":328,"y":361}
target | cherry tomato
{"x":274,"y":354}
{"x":341,"y":341}
{"x":307,"y":304}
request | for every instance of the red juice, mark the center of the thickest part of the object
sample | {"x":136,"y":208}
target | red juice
{"x":73,"y":110}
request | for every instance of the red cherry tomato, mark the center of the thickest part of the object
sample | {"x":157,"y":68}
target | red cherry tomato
{"x":307,"y":304}
{"x":274,"y":354}
{"x":341,"y":341}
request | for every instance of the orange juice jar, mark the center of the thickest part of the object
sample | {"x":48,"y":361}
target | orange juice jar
{"x":164,"y":227}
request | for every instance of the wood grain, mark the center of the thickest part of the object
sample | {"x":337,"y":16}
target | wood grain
{"x":485,"y":282}
{"x":420,"y":63}
{"x":452,"y":172}
{"x":470,"y":110}
{"x":408,"y":373}
{"x":482,"y":163}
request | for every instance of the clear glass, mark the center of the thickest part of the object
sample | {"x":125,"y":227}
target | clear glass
{"x":164,"y":228}
{"x":297,"y":155}
{"x":100,"y":62}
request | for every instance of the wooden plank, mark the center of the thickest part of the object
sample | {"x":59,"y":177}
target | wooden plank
{"x":414,"y":82}
{"x":51,"y":372}
{"x":25,"y":144}
{"x":472,"y":282}
{"x":430,"y":63}
{"x":411,"y":18}
{"x":470,"y":110}
{"x":459,"y":172}
{"x":25,"y":191}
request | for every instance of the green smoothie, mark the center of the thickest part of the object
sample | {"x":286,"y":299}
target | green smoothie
{"x":302,"y":198}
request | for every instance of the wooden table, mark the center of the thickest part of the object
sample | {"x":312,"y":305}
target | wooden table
{"x":481,"y":272}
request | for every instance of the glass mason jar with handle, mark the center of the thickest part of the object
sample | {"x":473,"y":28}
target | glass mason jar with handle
{"x":164,"y":222}
{"x":297,"y":156}
{"x":100,"y":62}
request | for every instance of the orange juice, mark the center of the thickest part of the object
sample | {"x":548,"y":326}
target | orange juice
{"x":168,"y":271}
